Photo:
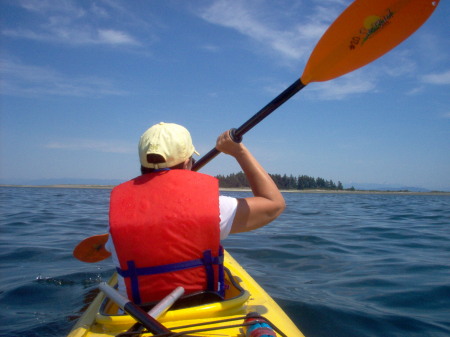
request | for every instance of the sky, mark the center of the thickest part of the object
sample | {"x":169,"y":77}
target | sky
{"x":82,"y":80}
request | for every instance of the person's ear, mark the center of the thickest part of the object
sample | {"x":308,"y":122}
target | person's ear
{"x":187,"y":164}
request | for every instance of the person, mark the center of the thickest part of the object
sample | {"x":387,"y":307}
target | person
{"x":167,"y":224}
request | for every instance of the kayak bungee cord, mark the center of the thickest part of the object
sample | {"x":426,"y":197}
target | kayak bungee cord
{"x":252,"y":319}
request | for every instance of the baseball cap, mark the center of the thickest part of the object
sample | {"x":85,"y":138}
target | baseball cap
{"x":171,"y":141}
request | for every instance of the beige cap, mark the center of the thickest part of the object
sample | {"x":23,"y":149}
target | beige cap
{"x":171,"y":141}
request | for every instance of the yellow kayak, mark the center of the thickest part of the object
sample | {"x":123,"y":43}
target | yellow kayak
{"x":210,"y":317}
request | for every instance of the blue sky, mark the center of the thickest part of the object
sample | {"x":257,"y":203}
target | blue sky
{"x":82,"y":80}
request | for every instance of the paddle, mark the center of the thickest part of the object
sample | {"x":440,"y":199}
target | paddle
{"x":366,"y":30}
{"x":140,"y":315}
{"x":92,"y":249}
{"x":159,"y":309}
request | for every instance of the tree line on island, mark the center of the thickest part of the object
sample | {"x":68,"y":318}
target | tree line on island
{"x":283,"y":182}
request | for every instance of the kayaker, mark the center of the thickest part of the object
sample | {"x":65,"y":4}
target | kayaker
{"x":166,"y":225}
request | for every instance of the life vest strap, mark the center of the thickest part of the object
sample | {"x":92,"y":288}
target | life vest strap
{"x":207,"y":261}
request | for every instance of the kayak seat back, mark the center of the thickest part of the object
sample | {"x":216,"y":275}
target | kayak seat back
{"x":203,"y":297}
{"x":191,"y":300}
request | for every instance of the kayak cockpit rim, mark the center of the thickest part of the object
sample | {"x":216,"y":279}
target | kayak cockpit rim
{"x":188,"y":306}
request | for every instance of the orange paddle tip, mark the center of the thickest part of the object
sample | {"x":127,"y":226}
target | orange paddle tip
{"x":365,"y":31}
{"x":92,"y":249}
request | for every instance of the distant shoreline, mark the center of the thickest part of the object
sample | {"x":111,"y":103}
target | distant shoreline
{"x":105,"y":187}
{"x":316,"y":191}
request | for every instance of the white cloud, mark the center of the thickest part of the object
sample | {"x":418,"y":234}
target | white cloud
{"x":252,"y":19}
{"x":92,"y":145}
{"x":74,"y":35}
{"x":20,"y":79}
{"x":399,"y":63}
{"x":415,"y":90}
{"x":340,"y":88}
{"x":64,"y":21}
{"x":211,"y":48}
{"x":442,"y":78}
{"x":111,"y":36}
{"x":44,"y":7}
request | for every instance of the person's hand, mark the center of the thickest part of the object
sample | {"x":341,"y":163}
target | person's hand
{"x":226,"y":145}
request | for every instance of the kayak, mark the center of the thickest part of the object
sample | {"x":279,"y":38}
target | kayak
{"x":245,"y":308}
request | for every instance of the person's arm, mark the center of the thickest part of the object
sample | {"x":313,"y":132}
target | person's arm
{"x":267,"y":202}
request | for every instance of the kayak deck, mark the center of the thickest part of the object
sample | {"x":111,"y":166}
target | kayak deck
{"x":217,"y":318}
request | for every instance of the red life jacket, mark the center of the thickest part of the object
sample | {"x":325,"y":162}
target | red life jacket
{"x":165,"y":229}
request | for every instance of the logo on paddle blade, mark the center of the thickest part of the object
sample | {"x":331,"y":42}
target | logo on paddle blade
{"x":372,"y":24}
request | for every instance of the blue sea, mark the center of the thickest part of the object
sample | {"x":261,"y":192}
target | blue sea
{"x":338,"y":264}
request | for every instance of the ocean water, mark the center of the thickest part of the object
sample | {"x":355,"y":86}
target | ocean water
{"x":338,"y":264}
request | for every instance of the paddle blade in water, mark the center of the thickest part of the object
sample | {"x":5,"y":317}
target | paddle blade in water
{"x":92,"y":249}
{"x":366,"y":30}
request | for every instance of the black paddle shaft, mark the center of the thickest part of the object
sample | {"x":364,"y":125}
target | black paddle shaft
{"x":237,"y":134}
{"x":146,"y":320}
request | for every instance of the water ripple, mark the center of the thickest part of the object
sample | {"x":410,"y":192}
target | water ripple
{"x":339,"y":265}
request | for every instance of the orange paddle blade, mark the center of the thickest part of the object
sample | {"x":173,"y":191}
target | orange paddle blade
{"x":366,"y":30}
{"x":92,"y":249}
